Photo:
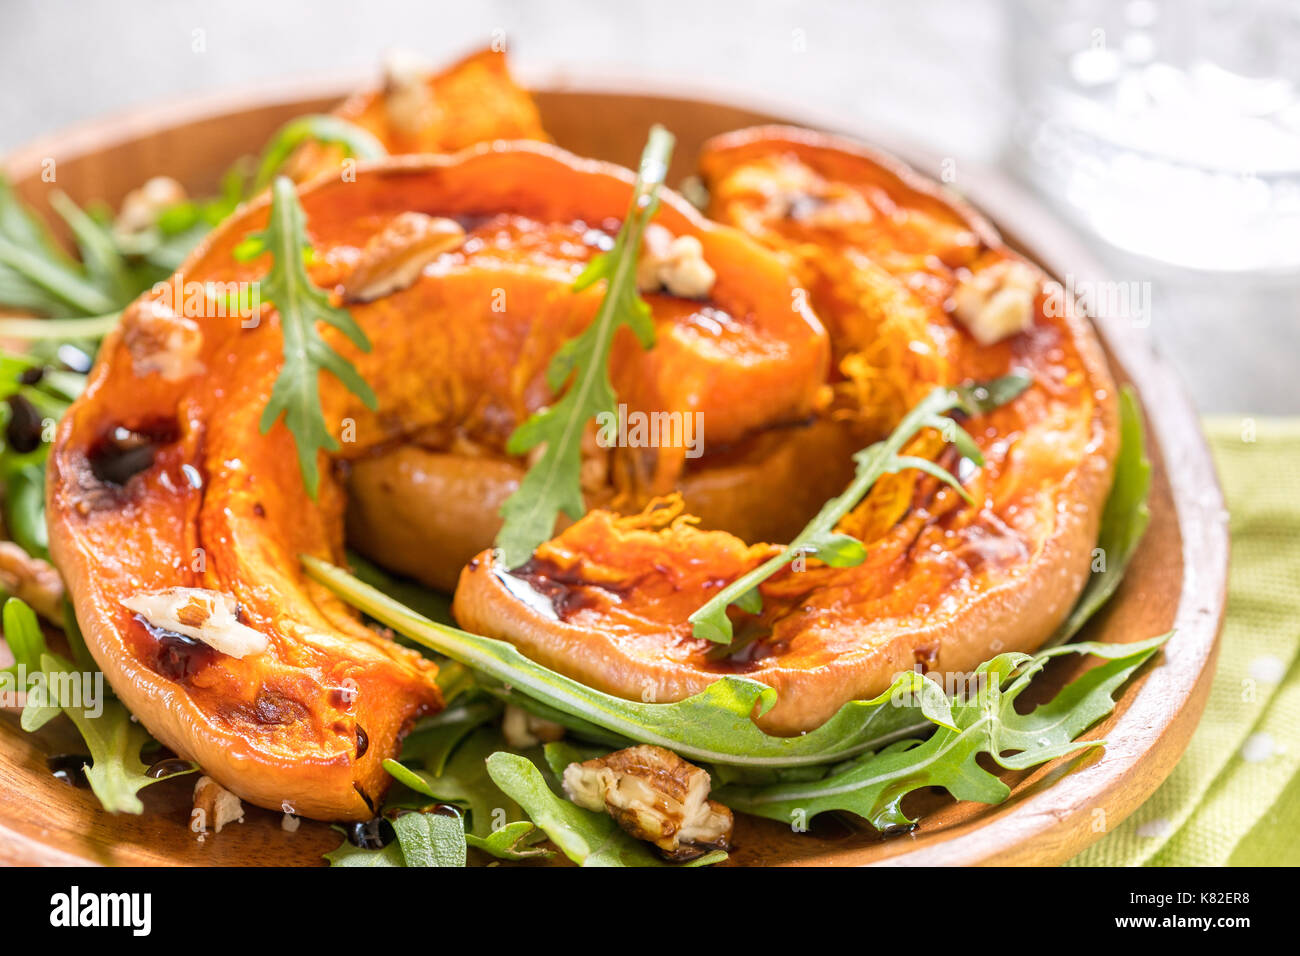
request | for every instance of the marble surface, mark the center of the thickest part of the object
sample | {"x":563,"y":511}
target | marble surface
{"x":934,"y":72}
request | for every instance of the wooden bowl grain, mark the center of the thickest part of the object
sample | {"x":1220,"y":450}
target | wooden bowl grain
{"x":1177,"y":579}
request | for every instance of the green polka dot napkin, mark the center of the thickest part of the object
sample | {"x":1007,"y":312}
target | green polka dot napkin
{"x":1234,"y":798}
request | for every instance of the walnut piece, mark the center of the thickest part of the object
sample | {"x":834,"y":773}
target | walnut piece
{"x":394,"y":257}
{"x":673,"y":263}
{"x":214,"y":806}
{"x":997,"y":302}
{"x":523,"y":730}
{"x":654,"y":795}
{"x":208,"y":616}
{"x":142,"y":206}
{"x":408,"y":98}
{"x":31,"y":580}
{"x":161,"y":342}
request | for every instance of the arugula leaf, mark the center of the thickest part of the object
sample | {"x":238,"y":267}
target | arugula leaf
{"x":116,"y":772}
{"x":35,"y":273}
{"x":423,"y":839}
{"x":180,"y":226}
{"x":512,"y":842}
{"x":552,"y":484}
{"x":586,"y":838}
{"x":874,"y":785}
{"x":819,"y":537}
{"x":322,"y":128}
{"x":464,"y":781}
{"x":434,"y":738}
{"x":349,"y":854}
{"x":430,"y":839}
{"x":60,"y":280}
{"x":22,"y":471}
{"x":434,"y":605}
{"x":24,"y":508}
{"x":93,"y":327}
{"x":103,"y":262}
{"x":714,"y":726}
{"x":296,"y":393}
{"x":1124,"y":520}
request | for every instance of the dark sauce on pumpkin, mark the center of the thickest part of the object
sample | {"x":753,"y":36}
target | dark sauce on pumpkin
{"x":121,"y":453}
{"x":363,"y":742}
{"x":176,"y":656}
{"x":564,"y":587}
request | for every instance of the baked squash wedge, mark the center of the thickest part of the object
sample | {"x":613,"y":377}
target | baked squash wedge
{"x":917,"y":291}
{"x":419,"y":111}
{"x":178,"y":524}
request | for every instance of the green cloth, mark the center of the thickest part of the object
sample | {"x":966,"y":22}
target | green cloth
{"x":1234,"y":798}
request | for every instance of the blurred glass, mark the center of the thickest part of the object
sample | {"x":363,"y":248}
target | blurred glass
{"x":1170,"y":128}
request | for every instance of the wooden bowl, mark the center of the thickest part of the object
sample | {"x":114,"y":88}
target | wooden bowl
{"x":1176,"y":580}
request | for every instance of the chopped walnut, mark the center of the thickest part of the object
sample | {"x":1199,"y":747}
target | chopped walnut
{"x":673,"y":263}
{"x":161,"y":342}
{"x":654,"y":795}
{"x":32,"y":580}
{"x":407,"y":95}
{"x":393,"y":258}
{"x":522,"y":729}
{"x":142,"y":206}
{"x":214,"y":806}
{"x":997,"y":302}
{"x":208,"y":616}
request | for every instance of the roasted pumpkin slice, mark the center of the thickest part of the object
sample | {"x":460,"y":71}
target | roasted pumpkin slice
{"x":420,"y":111}
{"x":178,"y":524}
{"x":945,"y":584}
{"x":880,"y":248}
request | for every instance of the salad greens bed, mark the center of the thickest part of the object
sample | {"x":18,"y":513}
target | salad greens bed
{"x":458,"y":785}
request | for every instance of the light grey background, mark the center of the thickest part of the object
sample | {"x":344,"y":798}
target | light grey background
{"x":934,"y":72}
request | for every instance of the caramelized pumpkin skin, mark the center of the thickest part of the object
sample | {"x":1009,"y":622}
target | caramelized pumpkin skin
{"x":944,"y":584}
{"x":159,"y":476}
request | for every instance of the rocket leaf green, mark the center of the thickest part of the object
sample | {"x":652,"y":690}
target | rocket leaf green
{"x":430,"y":839}
{"x":320,"y":128}
{"x":874,"y":785}
{"x":552,"y":483}
{"x":514,"y":841}
{"x":464,"y":781}
{"x":433,"y":739}
{"x":301,"y":304}
{"x":116,"y":773}
{"x":1123,"y":520}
